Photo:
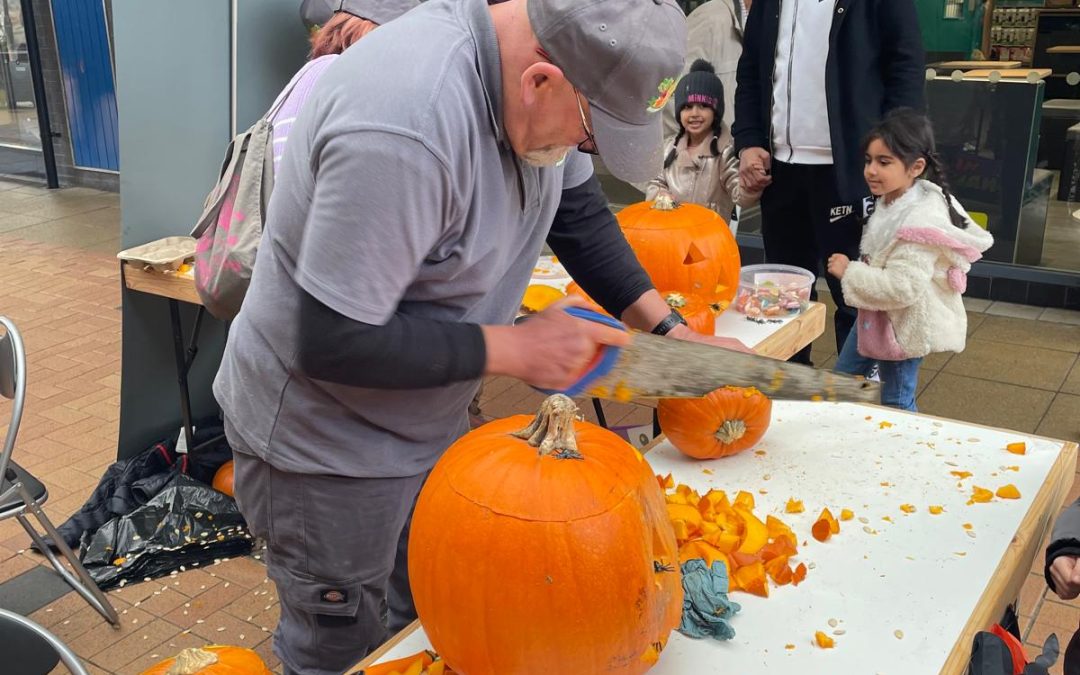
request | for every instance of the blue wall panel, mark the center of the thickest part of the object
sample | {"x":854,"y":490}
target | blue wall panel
{"x":89,"y":88}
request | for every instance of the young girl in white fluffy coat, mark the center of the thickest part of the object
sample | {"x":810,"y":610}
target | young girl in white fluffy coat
{"x":915,"y":253}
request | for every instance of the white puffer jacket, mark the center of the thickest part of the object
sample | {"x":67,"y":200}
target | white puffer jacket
{"x":914,"y":267}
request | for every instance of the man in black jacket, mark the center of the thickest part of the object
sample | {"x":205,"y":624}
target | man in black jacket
{"x":814,"y":77}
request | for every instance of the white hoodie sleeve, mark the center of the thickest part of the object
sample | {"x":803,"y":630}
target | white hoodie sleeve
{"x":906,"y":276}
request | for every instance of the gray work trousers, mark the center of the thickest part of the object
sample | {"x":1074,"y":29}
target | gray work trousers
{"x":337,"y":550}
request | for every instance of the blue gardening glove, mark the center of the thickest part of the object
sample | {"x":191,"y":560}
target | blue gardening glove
{"x":706,"y":607}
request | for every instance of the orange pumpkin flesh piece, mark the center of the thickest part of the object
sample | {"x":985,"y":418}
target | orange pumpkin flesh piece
{"x":1008,"y":492}
{"x":423,"y":659}
{"x":569,"y":516}
{"x":825,"y":526}
{"x":722,"y":423}
{"x":980,"y":495}
{"x":1017,"y":448}
{"x":689,"y":249}
{"x":223,"y":660}
{"x":824,"y":641}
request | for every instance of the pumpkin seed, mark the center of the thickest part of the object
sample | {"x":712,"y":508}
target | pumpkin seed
{"x":833,"y":623}
{"x":864,"y":520}
{"x":971,"y":533}
{"x":839,"y":631}
{"x":899,"y":634}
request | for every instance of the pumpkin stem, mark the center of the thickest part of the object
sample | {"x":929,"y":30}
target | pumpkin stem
{"x":664,"y":203}
{"x":552,"y":430}
{"x":731,"y":431}
{"x":192,"y":660}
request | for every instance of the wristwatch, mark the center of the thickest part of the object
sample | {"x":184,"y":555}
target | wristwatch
{"x":669,"y":322}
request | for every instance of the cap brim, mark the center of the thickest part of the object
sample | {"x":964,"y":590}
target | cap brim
{"x":632,"y":152}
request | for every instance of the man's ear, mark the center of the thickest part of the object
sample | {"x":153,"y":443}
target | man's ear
{"x":539,"y":81}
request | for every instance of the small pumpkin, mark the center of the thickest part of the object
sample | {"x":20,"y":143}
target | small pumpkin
{"x":211,"y":660}
{"x":722,"y":423}
{"x":223,"y":478}
{"x":684,"y":247}
{"x":567,"y":515}
{"x":700,"y":314}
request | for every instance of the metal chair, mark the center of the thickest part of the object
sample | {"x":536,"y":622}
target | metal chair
{"x":21,"y":493}
{"x":31,"y":650}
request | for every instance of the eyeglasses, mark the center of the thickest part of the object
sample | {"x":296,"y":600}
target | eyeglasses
{"x":588,"y":146}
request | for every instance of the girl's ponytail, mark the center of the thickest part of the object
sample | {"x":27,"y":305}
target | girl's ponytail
{"x":938,"y":170}
{"x":670,"y":159}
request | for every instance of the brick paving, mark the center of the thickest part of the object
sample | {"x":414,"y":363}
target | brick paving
{"x":65,"y":297}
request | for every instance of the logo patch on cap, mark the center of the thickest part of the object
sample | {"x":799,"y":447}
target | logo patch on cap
{"x":335,"y":596}
{"x":666,"y":89}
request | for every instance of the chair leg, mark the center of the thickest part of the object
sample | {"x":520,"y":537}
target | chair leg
{"x":83,"y":583}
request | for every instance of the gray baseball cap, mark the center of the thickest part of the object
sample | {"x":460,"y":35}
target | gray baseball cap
{"x":318,"y":12}
{"x":624,"y":56}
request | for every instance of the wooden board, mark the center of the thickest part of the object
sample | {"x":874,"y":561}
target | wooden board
{"x":1064,"y":49}
{"x":782,"y":343}
{"x":973,"y":65}
{"x":1019,"y":74}
{"x":175,"y":286}
{"x":907,"y":575}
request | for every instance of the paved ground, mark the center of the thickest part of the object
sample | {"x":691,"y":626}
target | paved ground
{"x":59,"y":281}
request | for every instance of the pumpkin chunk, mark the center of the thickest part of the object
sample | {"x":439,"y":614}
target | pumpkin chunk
{"x":825,"y":526}
{"x":794,"y":506}
{"x":936,"y":510}
{"x":752,"y":579}
{"x":846,"y":514}
{"x":1019,"y":448}
{"x":980,"y":495}
{"x":907,"y":508}
{"x":798,"y":574}
{"x":1008,"y":492}
{"x":961,"y":474}
{"x":823,"y":640}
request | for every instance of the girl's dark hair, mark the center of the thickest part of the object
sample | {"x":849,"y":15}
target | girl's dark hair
{"x":909,"y":135}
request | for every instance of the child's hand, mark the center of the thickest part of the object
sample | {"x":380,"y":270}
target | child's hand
{"x":837,"y":265}
{"x":1066,"y":575}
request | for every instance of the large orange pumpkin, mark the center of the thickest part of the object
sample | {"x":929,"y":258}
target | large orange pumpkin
{"x":543,"y":546}
{"x":686,"y":248}
{"x":211,"y":660}
{"x":223,"y":478}
{"x":700,"y":314}
{"x":724,"y":422}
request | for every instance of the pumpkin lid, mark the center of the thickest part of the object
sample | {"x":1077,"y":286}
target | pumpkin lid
{"x":557,"y":469}
{"x":643,"y":216}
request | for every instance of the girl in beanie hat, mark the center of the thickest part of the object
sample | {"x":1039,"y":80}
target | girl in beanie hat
{"x":700,"y":166}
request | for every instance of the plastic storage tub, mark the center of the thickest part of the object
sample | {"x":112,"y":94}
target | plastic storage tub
{"x":773,"y":291}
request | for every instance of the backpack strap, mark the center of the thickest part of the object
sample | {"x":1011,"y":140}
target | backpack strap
{"x":279,"y":102}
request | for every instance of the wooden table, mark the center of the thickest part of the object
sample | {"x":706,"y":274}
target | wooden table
{"x":176,"y":288}
{"x":1018,"y":74}
{"x":921,"y":574}
{"x":974,"y":65}
{"x":1064,"y":49}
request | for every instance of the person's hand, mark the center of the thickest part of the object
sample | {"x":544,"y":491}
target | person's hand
{"x":754,"y":167}
{"x":1066,"y":575}
{"x":550,"y":349}
{"x":682,"y":332}
{"x":837,"y":265}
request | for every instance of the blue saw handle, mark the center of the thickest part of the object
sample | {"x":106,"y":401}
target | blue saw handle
{"x":601,"y":364}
